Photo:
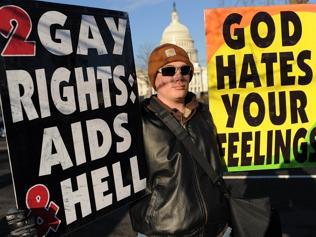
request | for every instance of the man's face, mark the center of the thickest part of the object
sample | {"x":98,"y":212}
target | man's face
{"x":173,"y":87}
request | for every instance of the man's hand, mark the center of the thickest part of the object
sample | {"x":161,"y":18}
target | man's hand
{"x":19,"y":224}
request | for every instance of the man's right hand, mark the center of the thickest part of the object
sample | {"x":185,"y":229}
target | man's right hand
{"x":20,"y":225}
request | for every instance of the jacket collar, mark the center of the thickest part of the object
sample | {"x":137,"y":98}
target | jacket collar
{"x":191,"y":105}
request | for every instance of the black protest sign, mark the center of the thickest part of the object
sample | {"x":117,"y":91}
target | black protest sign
{"x":70,"y":105}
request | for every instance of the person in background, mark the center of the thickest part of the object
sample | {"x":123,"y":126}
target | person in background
{"x":182,"y":200}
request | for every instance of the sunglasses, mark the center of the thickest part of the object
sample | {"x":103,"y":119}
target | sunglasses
{"x":171,"y":70}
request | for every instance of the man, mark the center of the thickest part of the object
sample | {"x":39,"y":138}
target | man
{"x":182,"y":200}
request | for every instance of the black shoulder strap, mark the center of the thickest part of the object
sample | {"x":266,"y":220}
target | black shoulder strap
{"x":184,"y":137}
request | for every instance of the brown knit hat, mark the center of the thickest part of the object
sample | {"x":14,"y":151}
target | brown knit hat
{"x":164,"y":54}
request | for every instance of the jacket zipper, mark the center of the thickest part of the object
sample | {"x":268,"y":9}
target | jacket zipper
{"x":200,"y":193}
{"x":197,"y":182}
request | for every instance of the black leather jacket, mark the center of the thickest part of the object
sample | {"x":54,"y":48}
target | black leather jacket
{"x":182,"y":200}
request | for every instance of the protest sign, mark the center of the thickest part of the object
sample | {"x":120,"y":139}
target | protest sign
{"x":70,"y":106}
{"x":261,"y":65}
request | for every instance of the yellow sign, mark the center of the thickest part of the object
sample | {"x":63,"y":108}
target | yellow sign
{"x":262,"y":87}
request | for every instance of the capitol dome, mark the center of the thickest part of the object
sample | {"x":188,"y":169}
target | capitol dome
{"x":177,"y":33}
{"x":175,"y":30}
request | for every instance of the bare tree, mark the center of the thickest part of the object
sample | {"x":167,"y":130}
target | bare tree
{"x":143,"y":55}
{"x":141,"y":65}
{"x":267,"y":2}
{"x":298,"y":1}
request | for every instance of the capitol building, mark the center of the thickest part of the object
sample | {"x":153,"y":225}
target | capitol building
{"x":179,"y":34}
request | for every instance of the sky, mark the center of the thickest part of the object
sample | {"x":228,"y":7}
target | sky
{"x":148,"y":18}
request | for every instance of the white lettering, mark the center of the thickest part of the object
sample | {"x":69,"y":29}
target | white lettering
{"x":42,"y":93}
{"x":104,"y":74}
{"x":79,"y":147}
{"x":51,"y":136}
{"x":85,"y":88}
{"x":139,"y":184}
{"x":62,"y":44}
{"x":118,"y":33}
{"x":122,"y":132}
{"x":100,"y":188}
{"x":71,"y":197}
{"x":67,"y":106}
{"x":121,"y":191}
{"x":90,"y":37}
{"x":121,"y":99}
{"x":16,"y":79}
{"x":95,"y":126}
